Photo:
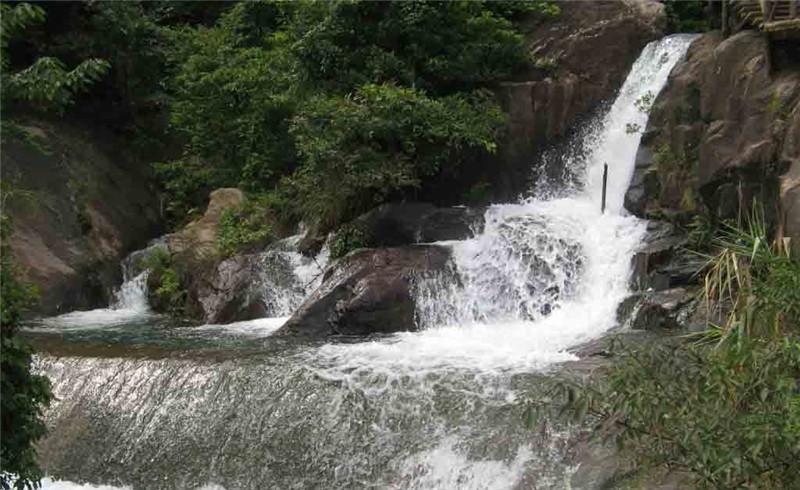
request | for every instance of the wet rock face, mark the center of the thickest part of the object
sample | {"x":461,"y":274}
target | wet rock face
{"x":723,"y":134}
{"x":661,"y":310}
{"x":368,"y":291}
{"x":216,"y":290}
{"x":88,"y":203}
{"x":233,"y":290}
{"x":663,"y":261}
{"x":584,"y":56}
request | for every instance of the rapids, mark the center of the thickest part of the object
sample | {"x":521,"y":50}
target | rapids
{"x":143,"y":404}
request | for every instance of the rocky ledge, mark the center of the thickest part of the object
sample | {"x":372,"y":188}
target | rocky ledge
{"x":368,"y":291}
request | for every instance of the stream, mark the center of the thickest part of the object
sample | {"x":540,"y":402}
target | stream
{"x":142,"y":403}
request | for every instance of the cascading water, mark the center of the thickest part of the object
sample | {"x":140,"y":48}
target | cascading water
{"x":129,"y":305}
{"x":430,"y":409}
{"x":288,"y":276}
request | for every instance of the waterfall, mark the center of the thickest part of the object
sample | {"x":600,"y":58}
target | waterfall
{"x":545,"y":254}
{"x":432,"y":409}
{"x":546,"y":273}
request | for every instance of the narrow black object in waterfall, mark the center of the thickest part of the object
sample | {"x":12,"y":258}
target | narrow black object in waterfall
{"x":605,"y":182}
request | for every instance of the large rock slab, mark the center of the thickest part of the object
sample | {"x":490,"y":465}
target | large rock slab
{"x":663,"y":260}
{"x":396,"y":224}
{"x":82,"y":202}
{"x":200,"y":236}
{"x":368,"y":291}
{"x":723,"y":134}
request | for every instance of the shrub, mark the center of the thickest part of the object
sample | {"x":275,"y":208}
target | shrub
{"x":165,"y":283}
{"x":45,"y":84}
{"x":340,"y":104}
{"x":686,"y":16}
{"x":349,"y":237}
{"x":358,"y":150}
{"x":247,"y":226}
{"x":24,"y":394}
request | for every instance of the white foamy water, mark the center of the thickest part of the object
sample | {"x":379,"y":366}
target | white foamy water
{"x":261,"y":327}
{"x":286,"y":277}
{"x":130,"y":306}
{"x":50,"y":484}
{"x":544,"y":276}
{"x":445,"y":466}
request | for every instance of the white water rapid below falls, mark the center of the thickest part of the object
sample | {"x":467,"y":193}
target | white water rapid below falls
{"x":546,"y":273}
{"x":146,"y":406}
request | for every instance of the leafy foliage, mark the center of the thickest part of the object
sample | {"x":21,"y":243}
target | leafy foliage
{"x":24,"y":394}
{"x":349,"y":237}
{"x":729,"y":417}
{"x":436,"y":46}
{"x":341,"y":104}
{"x":246,"y":226}
{"x":233,"y":101}
{"x":166,"y":290}
{"x":756,"y":284}
{"x":358,"y":150}
{"x":687,"y":15}
{"x":47,"y":83}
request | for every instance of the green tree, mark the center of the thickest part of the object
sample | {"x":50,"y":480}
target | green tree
{"x":376,"y":97}
{"x":24,"y":394}
{"x":359,"y":150}
{"x":437,"y":46}
{"x":46,"y":84}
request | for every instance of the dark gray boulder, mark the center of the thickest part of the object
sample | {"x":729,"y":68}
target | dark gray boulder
{"x":232,"y":291}
{"x":395,"y":224}
{"x":405,"y":223}
{"x":368,"y":291}
{"x":662,"y":310}
{"x":663,"y":261}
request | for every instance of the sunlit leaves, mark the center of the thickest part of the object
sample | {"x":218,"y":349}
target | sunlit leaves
{"x":358,"y":149}
{"x":47,"y":83}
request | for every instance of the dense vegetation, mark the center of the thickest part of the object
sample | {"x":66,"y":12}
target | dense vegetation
{"x":690,"y":15}
{"x":24,"y":394}
{"x":337,"y":107}
{"x":258,"y":95}
{"x":723,"y":405}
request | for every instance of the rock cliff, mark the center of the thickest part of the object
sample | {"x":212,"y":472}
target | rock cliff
{"x":80,"y":203}
{"x":583,"y":56}
{"x":723,"y":134}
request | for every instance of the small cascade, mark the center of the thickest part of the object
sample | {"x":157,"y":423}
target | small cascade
{"x":288,"y":276}
{"x":132,"y":294}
